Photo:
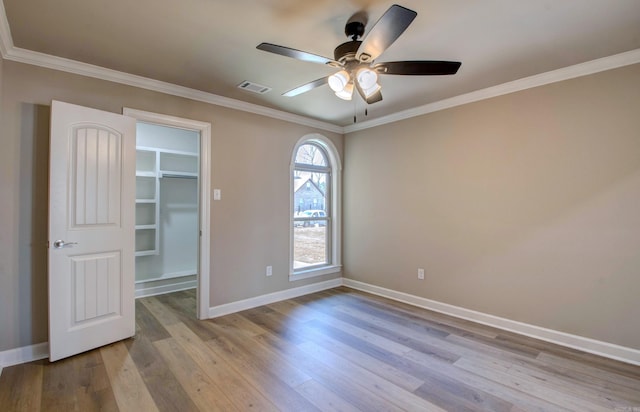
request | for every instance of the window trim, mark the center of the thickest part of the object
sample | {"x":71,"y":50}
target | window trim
{"x":335,"y":196}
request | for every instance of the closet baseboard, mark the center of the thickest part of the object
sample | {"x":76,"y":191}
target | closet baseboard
{"x":161,"y":286}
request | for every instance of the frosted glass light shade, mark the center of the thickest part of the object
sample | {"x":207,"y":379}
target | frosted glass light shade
{"x":371,"y":90}
{"x":338,"y":81}
{"x":347,"y":92}
{"x":367,"y":78}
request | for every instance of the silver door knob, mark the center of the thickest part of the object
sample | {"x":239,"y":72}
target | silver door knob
{"x":59,"y":244}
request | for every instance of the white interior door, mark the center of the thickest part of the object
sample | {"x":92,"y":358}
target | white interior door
{"x":91,"y":229}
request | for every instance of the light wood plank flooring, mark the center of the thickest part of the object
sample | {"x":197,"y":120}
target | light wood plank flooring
{"x":338,"y":350}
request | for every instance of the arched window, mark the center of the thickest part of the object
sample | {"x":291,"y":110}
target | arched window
{"x":315,"y":211}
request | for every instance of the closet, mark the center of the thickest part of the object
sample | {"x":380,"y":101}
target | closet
{"x":167,"y":229}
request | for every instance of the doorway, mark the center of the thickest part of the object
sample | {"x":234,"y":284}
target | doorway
{"x":172,"y":209}
{"x":167,"y":227}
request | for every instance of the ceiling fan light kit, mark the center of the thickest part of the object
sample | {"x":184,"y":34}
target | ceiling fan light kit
{"x":338,"y":81}
{"x":347,"y":92}
{"x":368,"y":80}
{"x":371,"y":92}
{"x":356,"y":58}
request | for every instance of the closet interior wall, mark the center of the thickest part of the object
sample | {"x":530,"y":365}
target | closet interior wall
{"x":167,"y":165}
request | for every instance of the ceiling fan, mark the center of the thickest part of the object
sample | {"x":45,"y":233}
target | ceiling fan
{"x":356,"y":58}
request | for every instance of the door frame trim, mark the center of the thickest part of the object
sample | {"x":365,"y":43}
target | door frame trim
{"x":204,"y":128}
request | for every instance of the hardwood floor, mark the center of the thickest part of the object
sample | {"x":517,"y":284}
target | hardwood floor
{"x":338,"y":350}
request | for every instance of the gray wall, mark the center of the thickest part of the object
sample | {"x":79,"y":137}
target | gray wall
{"x":525,"y":206}
{"x":250,"y":160}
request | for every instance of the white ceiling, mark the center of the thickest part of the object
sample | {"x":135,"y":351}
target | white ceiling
{"x":210,"y":45}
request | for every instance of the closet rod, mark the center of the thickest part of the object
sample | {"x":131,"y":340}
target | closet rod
{"x":178,"y":176}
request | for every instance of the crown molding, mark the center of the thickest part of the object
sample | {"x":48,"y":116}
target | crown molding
{"x":566,"y":73}
{"x":6,"y":42}
{"x":71,"y":66}
{"x":10,"y":52}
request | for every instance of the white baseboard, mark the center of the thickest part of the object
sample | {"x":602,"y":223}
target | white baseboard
{"x":41,"y":350}
{"x":624,"y":354}
{"x":596,"y":347}
{"x":254,"y":302}
{"x":143,"y":289}
{"x":24,"y":354}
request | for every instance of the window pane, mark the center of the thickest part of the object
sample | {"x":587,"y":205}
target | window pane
{"x":311,"y":154}
{"x":310,"y":245}
{"x":310,"y":194}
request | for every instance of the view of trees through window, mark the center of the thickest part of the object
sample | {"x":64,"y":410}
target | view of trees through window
{"x":311,"y":211}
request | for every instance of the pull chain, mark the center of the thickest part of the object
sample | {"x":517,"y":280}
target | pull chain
{"x":355,"y":110}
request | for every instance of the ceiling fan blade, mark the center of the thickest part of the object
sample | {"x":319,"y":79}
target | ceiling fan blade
{"x":374,"y":98}
{"x":306,"y":87}
{"x":296,"y":54}
{"x":418,"y":68}
{"x":386,"y":30}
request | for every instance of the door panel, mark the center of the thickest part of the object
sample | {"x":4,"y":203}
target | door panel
{"x":95,"y":176}
{"x":92,"y":277}
{"x":92,"y":206}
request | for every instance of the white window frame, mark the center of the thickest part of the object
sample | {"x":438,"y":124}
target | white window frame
{"x":335,"y":196}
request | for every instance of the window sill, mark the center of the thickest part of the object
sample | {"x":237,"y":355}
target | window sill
{"x":311,"y":273}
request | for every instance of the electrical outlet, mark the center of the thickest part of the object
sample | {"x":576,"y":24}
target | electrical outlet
{"x":420,"y":273}
{"x":269,"y":271}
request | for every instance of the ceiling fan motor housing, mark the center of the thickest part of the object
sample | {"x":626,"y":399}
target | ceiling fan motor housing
{"x":346,"y":51}
{"x":354,"y":29}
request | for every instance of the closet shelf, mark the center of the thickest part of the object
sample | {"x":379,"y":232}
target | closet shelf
{"x":146,"y":252}
{"x":166,"y":151}
{"x":152,"y":165}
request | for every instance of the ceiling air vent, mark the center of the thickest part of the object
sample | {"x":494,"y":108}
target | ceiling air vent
{"x":254,"y":87}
